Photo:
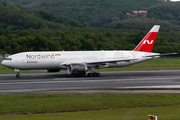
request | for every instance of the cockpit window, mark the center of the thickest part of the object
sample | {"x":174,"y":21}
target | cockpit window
{"x":8,"y":59}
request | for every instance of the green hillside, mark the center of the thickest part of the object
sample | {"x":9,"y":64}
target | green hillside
{"x":95,"y":12}
{"x":100,"y":12}
{"x":15,"y":41}
{"x":14,"y":16}
{"x":168,"y":11}
{"x":23,"y":29}
{"x":143,"y":24}
{"x":23,"y":2}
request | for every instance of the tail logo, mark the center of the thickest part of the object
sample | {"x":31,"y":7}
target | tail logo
{"x":148,"y":42}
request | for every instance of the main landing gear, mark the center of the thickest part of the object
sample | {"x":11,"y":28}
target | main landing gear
{"x":17,"y":73}
{"x":93,"y":73}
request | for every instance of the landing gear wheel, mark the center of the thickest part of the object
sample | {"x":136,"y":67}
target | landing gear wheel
{"x":18,"y":75}
{"x":98,"y":74}
{"x":90,"y":74}
{"x":94,"y":74}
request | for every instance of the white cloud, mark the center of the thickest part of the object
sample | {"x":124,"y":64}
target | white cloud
{"x":175,"y":0}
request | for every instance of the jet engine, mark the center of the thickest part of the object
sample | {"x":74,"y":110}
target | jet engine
{"x":53,"y":70}
{"x":77,"y":69}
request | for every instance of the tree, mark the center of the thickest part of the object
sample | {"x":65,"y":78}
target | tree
{"x":115,"y":19}
{"x":4,"y":3}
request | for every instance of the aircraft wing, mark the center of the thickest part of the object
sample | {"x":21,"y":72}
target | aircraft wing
{"x":109,"y":61}
{"x":161,"y":54}
{"x":101,"y":61}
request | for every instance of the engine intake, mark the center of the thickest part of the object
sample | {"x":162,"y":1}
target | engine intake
{"x":77,"y":69}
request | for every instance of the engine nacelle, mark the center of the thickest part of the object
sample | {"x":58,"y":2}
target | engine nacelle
{"x":77,"y":69}
{"x":53,"y":70}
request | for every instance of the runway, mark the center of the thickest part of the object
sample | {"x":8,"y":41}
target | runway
{"x":166,"y":81}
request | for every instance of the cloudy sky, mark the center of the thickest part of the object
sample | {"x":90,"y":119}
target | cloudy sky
{"x":175,"y":0}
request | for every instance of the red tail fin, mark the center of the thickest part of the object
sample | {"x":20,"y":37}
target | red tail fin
{"x":147,"y":43}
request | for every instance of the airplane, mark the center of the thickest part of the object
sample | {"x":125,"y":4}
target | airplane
{"x":79,"y":62}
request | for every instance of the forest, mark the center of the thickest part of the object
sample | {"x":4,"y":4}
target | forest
{"x":96,"y":12}
{"x":14,"y":16}
{"x":23,"y":29}
{"x":168,"y":11}
{"x":101,"y":12}
{"x":14,"y":41}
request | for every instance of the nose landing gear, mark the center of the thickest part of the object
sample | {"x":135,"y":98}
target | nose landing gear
{"x":17,"y":73}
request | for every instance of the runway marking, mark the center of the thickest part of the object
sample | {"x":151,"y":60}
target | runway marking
{"x":56,"y":82}
{"x":128,"y":80}
{"x":120,"y":80}
{"x":146,"y":79}
{"x":148,"y":87}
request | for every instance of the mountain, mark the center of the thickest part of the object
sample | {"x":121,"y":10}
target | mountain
{"x":143,"y":24}
{"x":54,"y":32}
{"x":95,"y":12}
{"x":168,"y":11}
{"x":100,"y":12}
{"x":14,"y":16}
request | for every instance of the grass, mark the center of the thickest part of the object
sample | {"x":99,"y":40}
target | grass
{"x":117,"y":104}
{"x":156,"y":64}
{"x":5,"y":70}
{"x":163,"y":113}
{"x":61,"y":102}
{"x":120,"y":106}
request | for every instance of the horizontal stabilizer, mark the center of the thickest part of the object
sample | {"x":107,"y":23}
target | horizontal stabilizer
{"x":162,"y":54}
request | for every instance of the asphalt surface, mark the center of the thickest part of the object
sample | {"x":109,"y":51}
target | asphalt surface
{"x":109,"y":82}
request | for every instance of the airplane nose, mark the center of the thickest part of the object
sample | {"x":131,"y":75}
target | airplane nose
{"x":6,"y":63}
{"x":2,"y":63}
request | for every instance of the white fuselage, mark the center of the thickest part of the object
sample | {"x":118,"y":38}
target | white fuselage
{"x":60,"y":59}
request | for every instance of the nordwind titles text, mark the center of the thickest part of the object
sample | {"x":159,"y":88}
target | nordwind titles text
{"x":40,"y":56}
